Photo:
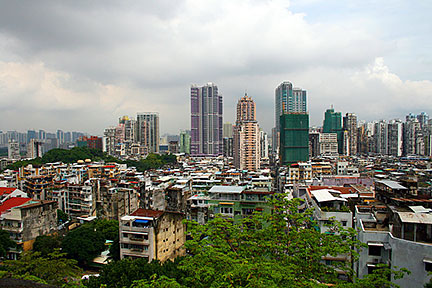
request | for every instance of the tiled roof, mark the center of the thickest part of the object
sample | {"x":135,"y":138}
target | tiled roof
{"x":13,"y":202}
{"x":6,"y":190}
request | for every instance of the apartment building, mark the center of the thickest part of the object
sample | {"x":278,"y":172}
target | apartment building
{"x":152,"y":235}
{"x":25,"y":219}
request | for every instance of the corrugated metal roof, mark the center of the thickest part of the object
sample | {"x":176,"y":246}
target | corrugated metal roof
{"x":420,"y":209}
{"x":410,"y":217}
{"x":392,"y":184}
{"x":226,"y":189}
{"x":324,"y":195}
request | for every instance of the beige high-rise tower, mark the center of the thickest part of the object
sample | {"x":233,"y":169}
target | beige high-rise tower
{"x":246,"y":136}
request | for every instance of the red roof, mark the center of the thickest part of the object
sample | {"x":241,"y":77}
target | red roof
{"x":13,"y":202}
{"x":6,"y":190}
{"x":109,"y":166}
{"x":147,"y":213}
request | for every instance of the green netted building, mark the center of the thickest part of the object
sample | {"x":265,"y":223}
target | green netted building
{"x":294,"y":138}
{"x":333,"y":124}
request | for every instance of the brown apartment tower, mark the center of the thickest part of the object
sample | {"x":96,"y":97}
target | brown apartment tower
{"x":246,"y":136}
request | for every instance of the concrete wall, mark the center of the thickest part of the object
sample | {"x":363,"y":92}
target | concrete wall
{"x":400,"y":253}
{"x":170,"y":237}
{"x":39,"y":220}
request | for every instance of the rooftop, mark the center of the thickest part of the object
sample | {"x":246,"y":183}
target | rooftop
{"x":392,"y":184}
{"x":412,"y":217}
{"x":13,"y":202}
{"x":227,"y":189}
{"x":325,"y":195}
{"x":147,"y":213}
{"x":6,"y":190}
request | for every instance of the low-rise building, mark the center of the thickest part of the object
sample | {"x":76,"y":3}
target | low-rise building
{"x":152,"y":234}
{"x":396,"y":237}
{"x":25,"y":219}
{"x":237,"y":202}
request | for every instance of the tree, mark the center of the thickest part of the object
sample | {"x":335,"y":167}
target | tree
{"x":5,"y":242}
{"x":429,"y":284}
{"x":53,"y":269}
{"x":114,"y":251}
{"x":65,"y":156}
{"x":83,"y":244}
{"x":156,"y":282}
{"x":45,"y":244}
{"x":108,"y":228}
{"x":62,"y":217}
{"x":123,"y":273}
{"x":282,"y":249}
{"x":88,"y":241}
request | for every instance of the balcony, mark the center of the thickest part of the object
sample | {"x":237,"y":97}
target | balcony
{"x":135,"y":240}
{"x":12,"y":229}
{"x":135,"y":228}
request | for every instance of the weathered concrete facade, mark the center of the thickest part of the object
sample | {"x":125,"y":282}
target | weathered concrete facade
{"x":152,"y":235}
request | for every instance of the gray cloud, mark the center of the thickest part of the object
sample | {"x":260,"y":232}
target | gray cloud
{"x":95,"y":61}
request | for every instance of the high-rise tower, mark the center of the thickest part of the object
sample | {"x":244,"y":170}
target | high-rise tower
{"x":206,"y":120}
{"x":333,"y":124}
{"x":246,"y":136}
{"x":350,"y":125}
{"x":288,"y":100}
{"x":147,"y":125}
{"x":294,"y":138}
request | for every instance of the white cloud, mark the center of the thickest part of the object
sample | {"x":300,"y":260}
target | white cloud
{"x":99,"y":63}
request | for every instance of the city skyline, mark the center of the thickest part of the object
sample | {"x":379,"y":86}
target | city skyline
{"x":61,"y":68}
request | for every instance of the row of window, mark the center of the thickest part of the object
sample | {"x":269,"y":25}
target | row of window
{"x":134,"y":246}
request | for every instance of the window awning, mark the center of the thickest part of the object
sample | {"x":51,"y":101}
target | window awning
{"x":427,"y":260}
{"x":375,"y":244}
{"x":370,"y":265}
{"x":141,"y":221}
{"x":133,"y":232}
{"x":226,"y":203}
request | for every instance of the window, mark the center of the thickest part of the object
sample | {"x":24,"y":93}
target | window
{"x":428,"y":266}
{"x":371,"y":269}
{"x":226,"y":210}
{"x":344,"y":223}
{"x":374,"y":250}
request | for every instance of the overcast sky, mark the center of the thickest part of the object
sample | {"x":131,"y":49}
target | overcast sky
{"x":80,"y":65}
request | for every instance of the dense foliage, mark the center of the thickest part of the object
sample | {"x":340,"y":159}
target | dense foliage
{"x":282,"y":249}
{"x":53,"y":268}
{"x":88,"y":241}
{"x":152,"y":161}
{"x":45,"y":244}
{"x":5,"y":242}
{"x":62,"y":217}
{"x":123,"y":273}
